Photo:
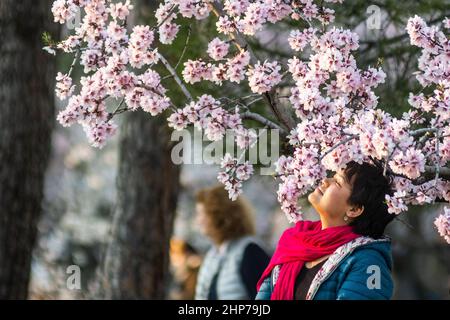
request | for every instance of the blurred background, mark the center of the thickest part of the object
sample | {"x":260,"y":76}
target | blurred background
{"x":124,"y":214}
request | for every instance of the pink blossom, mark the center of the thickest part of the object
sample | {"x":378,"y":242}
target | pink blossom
{"x":277,"y":10}
{"x":446,"y":23}
{"x":196,"y":70}
{"x":64,"y":87}
{"x":178,"y":120}
{"x":236,"y":67}
{"x":236,"y":7}
{"x":192,"y":71}
{"x":120,"y":10}
{"x":64,"y":10}
{"x":99,"y":132}
{"x":298,"y":40}
{"x":141,"y":38}
{"x":218,"y":49}
{"x":233,"y":175}
{"x":117,"y":32}
{"x":298,"y":68}
{"x":165,"y":12}
{"x":263,"y":77}
{"x":228,"y":162}
{"x":396,"y":203}
{"x":410,"y":163}
{"x":69,"y":44}
{"x":154,"y":104}
{"x":288,"y":194}
{"x":245,"y":138}
{"x":167,"y":32}
{"x":244,"y":171}
{"x":442,"y":224}
{"x":255,"y":17}
{"x":225,"y":25}
{"x":333,"y":99}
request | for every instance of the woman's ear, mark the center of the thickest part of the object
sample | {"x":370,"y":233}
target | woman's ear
{"x":355,"y":212}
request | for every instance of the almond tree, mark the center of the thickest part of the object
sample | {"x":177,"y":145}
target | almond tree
{"x":319,"y":99}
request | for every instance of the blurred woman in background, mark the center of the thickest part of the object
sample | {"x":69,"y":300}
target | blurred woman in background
{"x":236,"y":261}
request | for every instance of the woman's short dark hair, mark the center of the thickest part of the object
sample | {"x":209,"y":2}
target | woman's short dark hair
{"x":369,"y":188}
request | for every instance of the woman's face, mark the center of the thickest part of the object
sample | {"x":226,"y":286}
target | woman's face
{"x":330,"y":199}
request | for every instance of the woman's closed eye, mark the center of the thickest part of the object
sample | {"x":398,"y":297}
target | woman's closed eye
{"x":337,"y":182}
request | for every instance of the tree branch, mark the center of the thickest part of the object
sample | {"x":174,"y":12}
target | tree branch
{"x":184,"y":48}
{"x":259,"y":118}
{"x":444,"y":172}
{"x":240,"y":42}
{"x":351,"y":137}
{"x":175,"y":76}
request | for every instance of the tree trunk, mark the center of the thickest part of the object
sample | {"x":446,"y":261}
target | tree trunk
{"x":136,"y":264}
{"x":26,"y":121}
{"x":137,"y":260}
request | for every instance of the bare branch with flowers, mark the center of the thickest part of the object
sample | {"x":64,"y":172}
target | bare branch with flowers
{"x":337,"y":119}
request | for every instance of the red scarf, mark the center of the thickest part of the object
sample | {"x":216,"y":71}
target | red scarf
{"x":304,"y":242}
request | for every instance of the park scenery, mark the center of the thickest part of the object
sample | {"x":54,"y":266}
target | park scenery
{"x":215,"y":150}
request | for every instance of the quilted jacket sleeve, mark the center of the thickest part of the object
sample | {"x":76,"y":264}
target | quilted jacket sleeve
{"x":367,"y":277}
{"x":265,"y":291}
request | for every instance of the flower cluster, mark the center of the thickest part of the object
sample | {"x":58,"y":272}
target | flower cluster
{"x":334,"y":100}
{"x":249,"y":17}
{"x":64,"y":10}
{"x":233,"y":175}
{"x":298,"y":40}
{"x":297,"y":173}
{"x":138,"y":48}
{"x":442,"y":224}
{"x":207,"y":114}
{"x":218,"y":49}
{"x":232,"y":70}
{"x":64,"y":87}
{"x":263,"y":77}
{"x":105,"y":50}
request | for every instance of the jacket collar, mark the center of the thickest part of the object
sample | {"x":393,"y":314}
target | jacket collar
{"x":335,"y":259}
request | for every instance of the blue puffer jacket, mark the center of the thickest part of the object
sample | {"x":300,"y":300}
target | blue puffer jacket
{"x":359,"y":270}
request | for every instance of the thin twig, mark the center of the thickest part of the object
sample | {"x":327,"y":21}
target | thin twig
{"x":254,"y":101}
{"x":185,"y":47}
{"x":240,"y":42}
{"x":175,"y":76}
{"x":75,"y":59}
{"x":351,"y":137}
{"x":422,"y":130}
{"x":111,"y":115}
{"x":259,"y":118}
{"x":437,"y":158}
{"x":443,"y":171}
{"x":171,"y":10}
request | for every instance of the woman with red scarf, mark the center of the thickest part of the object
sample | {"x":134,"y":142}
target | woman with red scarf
{"x":342,"y":256}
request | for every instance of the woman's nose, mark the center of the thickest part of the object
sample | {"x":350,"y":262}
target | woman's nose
{"x":325,"y":182}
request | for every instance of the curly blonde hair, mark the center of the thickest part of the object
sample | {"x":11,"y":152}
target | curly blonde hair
{"x":228,"y":219}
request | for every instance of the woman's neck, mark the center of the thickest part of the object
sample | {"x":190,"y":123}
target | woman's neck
{"x":330,"y":223}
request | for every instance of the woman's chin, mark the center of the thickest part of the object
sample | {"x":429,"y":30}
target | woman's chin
{"x":314,"y":197}
{"x":311,"y":199}
{"x":314,"y":200}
